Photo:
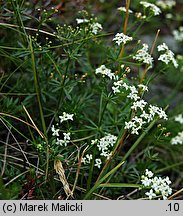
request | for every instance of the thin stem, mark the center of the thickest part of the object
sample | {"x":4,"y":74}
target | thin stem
{"x":125,"y":26}
{"x":102,"y":179}
{"x":36,"y":84}
{"x":152,"y":50}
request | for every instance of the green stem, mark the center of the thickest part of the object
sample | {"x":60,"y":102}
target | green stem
{"x":36,"y":84}
{"x":101,"y":180}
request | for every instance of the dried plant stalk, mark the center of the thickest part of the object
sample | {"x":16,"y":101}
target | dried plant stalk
{"x":60,"y":171}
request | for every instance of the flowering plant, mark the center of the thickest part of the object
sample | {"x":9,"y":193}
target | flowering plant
{"x":91,"y":106}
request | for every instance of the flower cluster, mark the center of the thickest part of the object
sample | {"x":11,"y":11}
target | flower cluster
{"x":152,"y":7}
{"x":166,"y":4}
{"x":121,"y":38}
{"x":55,"y":131}
{"x":65,"y":141}
{"x":179,"y":118}
{"x":142,"y":117}
{"x":159,"y":187}
{"x":104,"y":145}
{"x":123,"y":9}
{"x":143,"y":56}
{"x":178,"y":34}
{"x":66,"y":117}
{"x":79,"y":21}
{"x":95,"y":27}
{"x":87,"y":159}
{"x":167,"y":56}
{"x":105,"y":71}
{"x":104,"y":148}
{"x":178,"y":139}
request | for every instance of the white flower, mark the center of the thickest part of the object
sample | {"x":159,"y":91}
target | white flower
{"x":123,"y":9}
{"x":178,"y":139}
{"x":67,"y":136}
{"x":105,"y":143}
{"x":105,"y":71}
{"x":94,"y":141}
{"x":96,"y":27}
{"x":149,"y":173}
{"x":117,"y":85}
{"x":146,"y":181}
{"x":89,"y":157}
{"x":122,"y":38}
{"x":179,"y":118}
{"x":157,"y":110}
{"x":135,"y":125}
{"x":162,"y":47}
{"x":98,"y":162}
{"x":133,"y":96}
{"x":143,"y":56}
{"x":83,"y":160}
{"x":178,"y":34}
{"x":145,"y":115}
{"x":158,"y":186}
{"x":79,"y":21}
{"x":166,"y":4}
{"x":66,"y":117}
{"x":59,"y":142}
{"x":126,"y":86}
{"x":150,"y":194}
{"x":152,"y":7}
{"x":143,"y":87}
{"x":139,"y":104}
{"x":55,"y":132}
{"x":167,"y":56}
{"x":65,"y":141}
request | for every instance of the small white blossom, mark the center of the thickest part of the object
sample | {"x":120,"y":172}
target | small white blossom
{"x":133,"y":96}
{"x":139,"y":104}
{"x":79,"y":21}
{"x":104,"y":145}
{"x":66,"y":117}
{"x":143,"y":87}
{"x":158,"y":186}
{"x":167,"y":56}
{"x":162,"y":47}
{"x":105,"y":71}
{"x":143,"y":56}
{"x":179,"y":118}
{"x":149,"y":173}
{"x":152,"y":7}
{"x":94,"y":141}
{"x":135,"y":125}
{"x":117,"y":85}
{"x":150,"y":194}
{"x":55,"y":132}
{"x":87,"y":159}
{"x":65,"y":141}
{"x":126,"y":86}
{"x":96,"y":27}
{"x":122,"y":38}
{"x":178,"y":34}
{"x":145,"y":115}
{"x":123,"y":9}
{"x":146,"y":181}
{"x":98,"y":162}
{"x":166,"y":4}
{"x":178,"y":139}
